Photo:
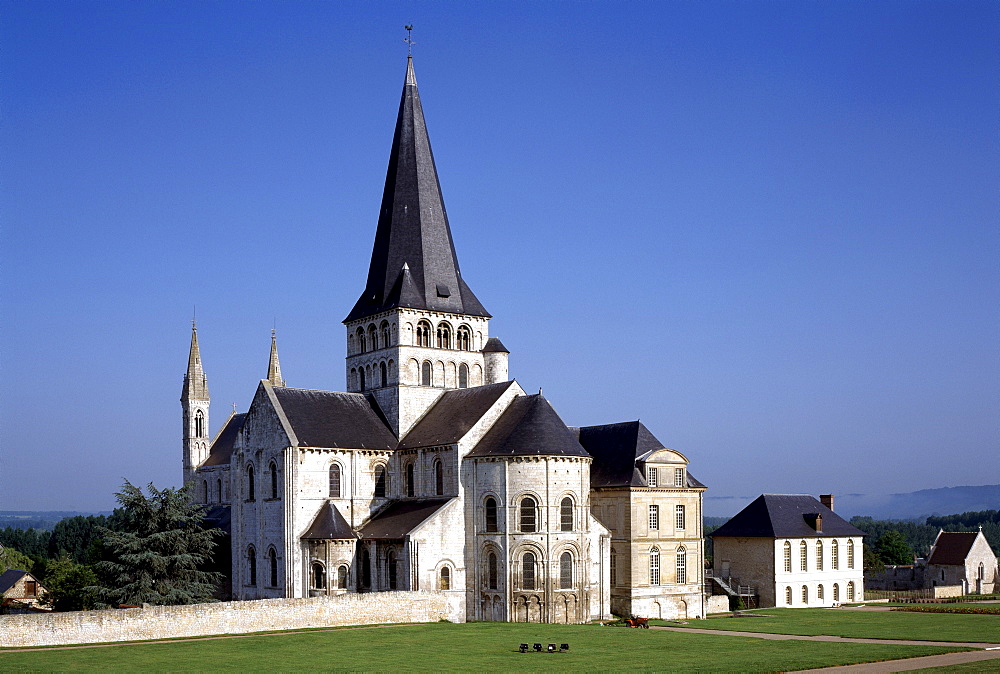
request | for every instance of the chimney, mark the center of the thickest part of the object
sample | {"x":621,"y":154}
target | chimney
{"x":815,"y":520}
{"x":827,"y":500}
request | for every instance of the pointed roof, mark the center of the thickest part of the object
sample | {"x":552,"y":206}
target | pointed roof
{"x":195,"y":381}
{"x":785,"y":516}
{"x":453,"y":415}
{"x":332,"y":419}
{"x":329,"y":524}
{"x":952,"y":547}
{"x":529,"y":427}
{"x":400,"y":518}
{"x":273,"y":366}
{"x":413,"y":261}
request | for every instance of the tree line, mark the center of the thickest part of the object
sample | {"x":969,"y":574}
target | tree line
{"x":153,"y":549}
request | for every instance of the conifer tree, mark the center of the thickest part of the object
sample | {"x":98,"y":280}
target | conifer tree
{"x":157,"y":551}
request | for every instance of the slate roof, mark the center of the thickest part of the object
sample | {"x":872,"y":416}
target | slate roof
{"x":529,"y":427}
{"x":333,"y":419}
{"x":329,"y":524}
{"x":10,"y":577}
{"x":400,"y":518}
{"x":222,"y":447}
{"x":219,"y":517}
{"x":494,"y":345}
{"x":453,"y":415}
{"x":413,"y":260}
{"x":616,"y":448}
{"x":784,"y":516}
{"x":952,"y":547}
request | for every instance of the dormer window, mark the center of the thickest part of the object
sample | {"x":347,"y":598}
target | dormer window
{"x":678,"y":477}
{"x":651,"y":474}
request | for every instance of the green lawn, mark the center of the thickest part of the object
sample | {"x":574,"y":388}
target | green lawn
{"x":474,"y":646}
{"x":863,"y":624}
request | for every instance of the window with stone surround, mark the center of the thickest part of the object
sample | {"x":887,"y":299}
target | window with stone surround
{"x":492,"y":571}
{"x":490,"y":508}
{"x":409,"y":480}
{"x":803,"y":557}
{"x":425,"y":374}
{"x":384,"y":329}
{"x":342,"y":577}
{"x":463,"y":376}
{"x":424,"y":333}
{"x":836,"y":592}
{"x":565,"y":571}
{"x":251,"y":496}
{"x":654,"y":517}
{"x":679,"y":517}
{"x":788,"y":558}
{"x":381,"y":481}
{"x":438,"y":478}
{"x":614,"y":568}
{"x":444,"y":583}
{"x":850,"y":554}
{"x":835,"y":555}
{"x":318,"y":576}
{"x":805,"y":594}
{"x":654,"y":566}
{"x":651,"y":476}
{"x":390,"y":565}
{"x":529,"y":515}
{"x":372,"y":337}
{"x":464,"y":338}
{"x":199,"y":424}
{"x":788,"y":595}
{"x":819,"y":556}
{"x":850,"y":591}
{"x":528,"y":571}
{"x":272,"y":561}
{"x":681,"y":565}
{"x":566,"y":514}
{"x":819,"y":592}
{"x":443,"y":336}
{"x":251,"y":566}
{"x":678,"y":477}
{"x":334,"y":480}
{"x":273,"y":469}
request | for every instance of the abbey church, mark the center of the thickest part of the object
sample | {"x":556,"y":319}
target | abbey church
{"x":434,"y":470}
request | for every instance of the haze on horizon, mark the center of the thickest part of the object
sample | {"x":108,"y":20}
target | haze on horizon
{"x":766,"y":229}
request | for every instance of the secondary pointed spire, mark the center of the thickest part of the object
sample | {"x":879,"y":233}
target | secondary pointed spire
{"x":413,"y":227}
{"x":273,"y":366}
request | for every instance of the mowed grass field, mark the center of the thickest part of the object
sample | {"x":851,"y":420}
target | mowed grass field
{"x":862,"y":624}
{"x":468,"y":647}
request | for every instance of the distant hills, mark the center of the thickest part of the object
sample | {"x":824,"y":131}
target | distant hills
{"x":38,"y":519}
{"x":916,"y":505}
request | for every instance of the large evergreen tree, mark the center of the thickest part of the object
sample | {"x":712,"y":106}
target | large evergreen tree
{"x":157,"y":551}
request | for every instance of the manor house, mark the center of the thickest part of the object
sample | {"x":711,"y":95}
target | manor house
{"x":434,"y":470}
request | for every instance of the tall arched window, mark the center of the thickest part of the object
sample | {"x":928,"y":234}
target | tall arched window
{"x":464,"y":338}
{"x":614,"y":568}
{"x":361,"y":379}
{"x":565,"y":571}
{"x":850,"y":591}
{"x":444,"y":336}
{"x":423,"y":333}
{"x":492,"y":571}
{"x":385,"y":375}
{"x":334,"y":480}
{"x":390,"y":563}
{"x":463,"y":376}
{"x":273,"y":469}
{"x":438,"y":478}
{"x":366,"y":568}
{"x":342,"y":577}
{"x":362,"y":347}
{"x":819,"y":556}
{"x":251,"y":566}
{"x":425,"y":374}
{"x":528,"y":571}
{"x":205,"y":491}
{"x":819,"y":592}
{"x":380,"y":481}
{"x":218,"y":491}
{"x":566,"y":514}
{"x":272,"y":561}
{"x":373,"y":337}
{"x":803,"y":559}
{"x":318,"y":576}
{"x":805,"y":594}
{"x":445,"y":583}
{"x":981,"y":574}
{"x":385,"y":334}
{"x":250,"y":484}
{"x":654,"y":566}
{"x":788,"y":595}
{"x":409,"y":480}
{"x":199,"y":424}
{"x":529,"y":523}
{"x":788,"y":557}
{"x":836,"y":592}
{"x":850,"y":554}
{"x":491,"y":514}
{"x":835,"y":555}
{"x":681,"y":565}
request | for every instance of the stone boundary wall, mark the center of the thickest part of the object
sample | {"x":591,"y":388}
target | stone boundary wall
{"x":232,"y":617}
{"x":941,"y":591}
{"x":717,"y":603}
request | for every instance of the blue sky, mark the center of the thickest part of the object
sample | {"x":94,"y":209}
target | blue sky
{"x":769,"y":230}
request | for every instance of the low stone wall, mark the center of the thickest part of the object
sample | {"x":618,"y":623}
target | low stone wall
{"x":718,"y":603}
{"x":941,"y":591}
{"x":232,"y":617}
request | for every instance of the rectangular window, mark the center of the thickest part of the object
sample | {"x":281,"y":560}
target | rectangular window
{"x":804,"y":562}
{"x":651,"y":476}
{"x":654,"y":567}
{"x":678,"y":477}
{"x":679,"y":517}
{"x":614,"y":570}
{"x":654,"y":517}
{"x":30,"y":588}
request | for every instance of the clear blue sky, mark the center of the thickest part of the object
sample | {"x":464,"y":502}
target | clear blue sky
{"x":769,"y":230}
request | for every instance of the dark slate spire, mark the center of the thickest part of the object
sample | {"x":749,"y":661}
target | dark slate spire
{"x":413,"y":260}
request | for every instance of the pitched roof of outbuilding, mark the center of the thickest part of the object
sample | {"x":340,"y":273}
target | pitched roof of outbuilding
{"x":400,"y":518}
{"x":222,"y":447}
{"x":413,"y":260}
{"x":453,"y":415}
{"x":333,"y":419}
{"x":952,"y":547}
{"x":10,"y":577}
{"x":529,"y":427}
{"x":329,"y":524}
{"x":784,"y":516}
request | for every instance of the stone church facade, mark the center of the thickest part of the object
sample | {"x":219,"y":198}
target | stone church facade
{"x":434,"y":470}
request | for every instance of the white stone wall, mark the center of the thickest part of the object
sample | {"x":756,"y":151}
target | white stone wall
{"x":236,"y":617}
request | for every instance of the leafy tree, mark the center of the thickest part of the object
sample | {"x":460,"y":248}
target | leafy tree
{"x":75,"y":536}
{"x":32,"y":542}
{"x":158,"y":550}
{"x":12,"y":559}
{"x":66,"y":583}
{"x":892,"y":548}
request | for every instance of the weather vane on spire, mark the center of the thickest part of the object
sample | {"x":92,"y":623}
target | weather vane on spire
{"x":409,"y":40}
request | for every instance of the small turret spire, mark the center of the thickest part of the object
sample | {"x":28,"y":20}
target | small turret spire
{"x":274,"y":367}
